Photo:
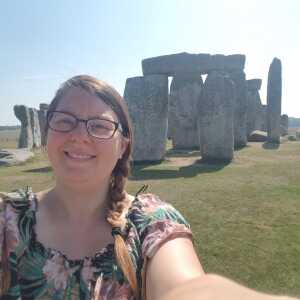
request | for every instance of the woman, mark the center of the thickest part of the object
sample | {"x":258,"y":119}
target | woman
{"x":86,"y":238}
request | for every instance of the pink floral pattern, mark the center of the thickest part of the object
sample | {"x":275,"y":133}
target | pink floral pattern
{"x":8,"y":229}
{"x":160,"y":232}
{"x":58,"y":272}
{"x":150,"y":223}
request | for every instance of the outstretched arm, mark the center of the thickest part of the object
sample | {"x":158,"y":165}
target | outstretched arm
{"x":175,"y":273}
{"x":174,"y":263}
{"x":215,"y":287}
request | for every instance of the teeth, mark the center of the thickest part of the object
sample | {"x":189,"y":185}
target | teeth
{"x":79,"y":156}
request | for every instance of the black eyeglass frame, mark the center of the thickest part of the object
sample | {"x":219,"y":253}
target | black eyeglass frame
{"x":118,"y":126}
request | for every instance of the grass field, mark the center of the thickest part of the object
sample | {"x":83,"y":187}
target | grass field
{"x":245,"y":215}
{"x":9,"y":138}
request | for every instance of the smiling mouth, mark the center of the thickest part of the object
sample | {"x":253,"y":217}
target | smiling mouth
{"x":77,"y":156}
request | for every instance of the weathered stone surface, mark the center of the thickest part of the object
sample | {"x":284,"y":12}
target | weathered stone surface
{"x":254,"y":84}
{"x":10,"y":157}
{"x":257,"y":136}
{"x":35,"y":127}
{"x":42,"y":114}
{"x":274,"y":101}
{"x":255,"y":113}
{"x":185,"y":92}
{"x":192,"y":63}
{"x":264,"y":116}
{"x":25,"y":138}
{"x":216,"y":113}
{"x":284,"y":125}
{"x":44,"y":106}
{"x":147,"y":100}
{"x":240,"y":109}
{"x":292,"y":138}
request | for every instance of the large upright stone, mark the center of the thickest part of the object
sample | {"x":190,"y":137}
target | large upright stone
{"x":240,"y":108}
{"x":192,"y":63}
{"x":274,"y":101}
{"x":255,"y":115}
{"x":42,"y":113}
{"x":216,"y":113}
{"x":264,"y":116}
{"x":35,"y":127}
{"x":185,"y":92}
{"x":284,"y":125}
{"x":147,"y":100}
{"x":25,"y":138}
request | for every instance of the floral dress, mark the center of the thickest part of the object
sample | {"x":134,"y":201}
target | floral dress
{"x":38,"y":272}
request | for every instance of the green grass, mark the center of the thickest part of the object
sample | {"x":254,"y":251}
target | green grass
{"x":245,"y":216}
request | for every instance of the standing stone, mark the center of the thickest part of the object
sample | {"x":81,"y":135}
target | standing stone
{"x":216,"y":113}
{"x":255,"y":115}
{"x":274,"y":101}
{"x":264,"y":116}
{"x":25,"y":138}
{"x":284,"y":125}
{"x":201,"y":63}
{"x":42,"y":113}
{"x":147,"y":100}
{"x":35,"y":127}
{"x":185,"y":92}
{"x":240,"y":109}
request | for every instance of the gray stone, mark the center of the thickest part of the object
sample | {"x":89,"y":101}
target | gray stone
{"x":255,"y":111}
{"x":240,"y":109}
{"x":35,"y":127}
{"x":257,"y":136}
{"x":185,"y":92}
{"x":284,"y":125}
{"x":264,"y":117}
{"x":44,"y":106}
{"x":274,"y":101}
{"x":254,"y":84}
{"x":42,"y":114}
{"x":10,"y":157}
{"x":216,"y":113}
{"x":147,"y":100}
{"x":192,"y":63}
{"x":25,"y":138}
{"x":292,"y":138}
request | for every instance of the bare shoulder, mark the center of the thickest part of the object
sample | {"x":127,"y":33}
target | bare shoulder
{"x":174,"y":263}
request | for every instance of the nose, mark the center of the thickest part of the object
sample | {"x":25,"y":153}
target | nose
{"x":80,"y":131}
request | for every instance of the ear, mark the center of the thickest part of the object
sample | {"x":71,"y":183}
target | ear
{"x":124,"y":145}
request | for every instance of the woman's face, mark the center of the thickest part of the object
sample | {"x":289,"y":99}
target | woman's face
{"x":76,"y":156}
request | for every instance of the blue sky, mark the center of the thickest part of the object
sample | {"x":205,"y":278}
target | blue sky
{"x":44,"y":43}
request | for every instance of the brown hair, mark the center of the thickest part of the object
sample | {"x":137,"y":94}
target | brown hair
{"x":117,"y":195}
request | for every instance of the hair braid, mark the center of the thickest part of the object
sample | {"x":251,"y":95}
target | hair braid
{"x":116,"y":219}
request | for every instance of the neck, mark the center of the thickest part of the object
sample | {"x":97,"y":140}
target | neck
{"x":78,"y":202}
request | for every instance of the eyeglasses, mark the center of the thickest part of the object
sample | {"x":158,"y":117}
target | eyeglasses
{"x":99,"y":128}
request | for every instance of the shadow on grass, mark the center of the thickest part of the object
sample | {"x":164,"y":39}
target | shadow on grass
{"x":239,"y":148}
{"x":142,"y":171}
{"x":183,"y":153}
{"x":270,"y":146}
{"x":39,"y":170}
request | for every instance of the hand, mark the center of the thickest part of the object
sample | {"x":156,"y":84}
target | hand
{"x":215,"y":287}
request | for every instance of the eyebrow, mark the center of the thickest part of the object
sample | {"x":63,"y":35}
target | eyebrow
{"x":105,"y":116}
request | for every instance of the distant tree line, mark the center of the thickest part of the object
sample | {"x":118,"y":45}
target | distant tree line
{"x":10,"y":127}
{"x":294,"y":122}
